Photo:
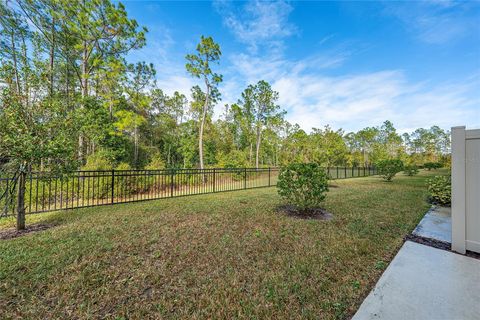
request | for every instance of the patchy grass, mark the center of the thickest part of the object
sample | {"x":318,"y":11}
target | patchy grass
{"x":227,"y":255}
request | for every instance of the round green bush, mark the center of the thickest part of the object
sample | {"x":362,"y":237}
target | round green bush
{"x":303,"y":185}
{"x":432,"y":165}
{"x":440,"y":190}
{"x":410,"y":170}
{"x":387,"y":169}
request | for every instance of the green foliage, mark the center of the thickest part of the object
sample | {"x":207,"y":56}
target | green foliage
{"x":30,"y":134}
{"x":257,"y":111}
{"x":440,"y":190}
{"x":410,"y":170}
{"x":198,"y":65}
{"x":303,"y":185}
{"x":156,"y":162}
{"x":123,"y":166}
{"x":432,"y":165}
{"x":99,"y":161}
{"x":234,"y":159}
{"x":74,"y":84}
{"x":388,"y":168}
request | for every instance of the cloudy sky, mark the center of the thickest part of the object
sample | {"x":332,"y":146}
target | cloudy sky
{"x":346,"y":64}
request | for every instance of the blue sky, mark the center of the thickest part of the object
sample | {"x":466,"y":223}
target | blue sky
{"x":346,"y":64}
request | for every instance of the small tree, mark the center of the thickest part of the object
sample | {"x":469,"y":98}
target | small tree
{"x":387,"y":169}
{"x":303,"y":185}
{"x":34,"y":135}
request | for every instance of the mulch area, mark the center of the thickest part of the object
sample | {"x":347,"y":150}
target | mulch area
{"x":438,"y":244}
{"x":313,"y":214}
{"x":13,"y":233}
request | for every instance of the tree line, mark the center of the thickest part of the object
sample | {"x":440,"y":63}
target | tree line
{"x":70,"y":100}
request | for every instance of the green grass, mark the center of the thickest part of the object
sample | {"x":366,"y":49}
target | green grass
{"x":226,"y":255}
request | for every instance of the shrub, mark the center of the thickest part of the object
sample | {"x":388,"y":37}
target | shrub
{"x":410,"y":170}
{"x":303,"y":185}
{"x":387,"y":169}
{"x":233,"y":159}
{"x":98,"y":161}
{"x":432,"y":165}
{"x":440,"y":190}
{"x":123,"y":166}
{"x":156,"y":162}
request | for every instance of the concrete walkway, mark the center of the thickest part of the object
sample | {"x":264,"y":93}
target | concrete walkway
{"x":425,"y":283}
{"x":436,"y":224}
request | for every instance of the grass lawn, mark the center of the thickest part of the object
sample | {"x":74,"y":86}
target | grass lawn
{"x":225,"y":255}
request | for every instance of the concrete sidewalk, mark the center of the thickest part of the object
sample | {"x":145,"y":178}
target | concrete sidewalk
{"x":425,"y":283}
{"x":436,"y":224}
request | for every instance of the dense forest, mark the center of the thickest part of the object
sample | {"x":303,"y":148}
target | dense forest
{"x":70,"y":99}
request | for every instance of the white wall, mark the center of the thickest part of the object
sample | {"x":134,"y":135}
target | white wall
{"x":465,"y":190}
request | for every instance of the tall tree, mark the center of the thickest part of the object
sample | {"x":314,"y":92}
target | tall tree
{"x":141,"y":77}
{"x":199,"y":66}
{"x":260,"y":105}
{"x":97,"y":31}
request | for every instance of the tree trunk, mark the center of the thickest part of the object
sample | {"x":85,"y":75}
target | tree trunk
{"x":259,"y":138}
{"x":84,"y":86}
{"x":15,"y":65}
{"x":202,"y":124}
{"x":250,"y":156}
{"x":52,"y":56}
{"x":84,"y":70}
{"x":80,"y":148}
{"x":26,"y":87}
{"x":135,"y":146}
{"x":21,"y":200}
{"x":168,"y":157}
{"x":67,"y":74}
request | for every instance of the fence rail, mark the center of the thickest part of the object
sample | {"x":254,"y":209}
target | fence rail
{"x":82,"y":189}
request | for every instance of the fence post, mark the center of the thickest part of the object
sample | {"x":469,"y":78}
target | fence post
{"x":214,"y":180}
{"x":245,"y":179}
{"x":459,"y":205}
{"x":171,"y":183}
{"x":269,"y":176}
{"x":113,"y":185}
{"x":352,"y":171}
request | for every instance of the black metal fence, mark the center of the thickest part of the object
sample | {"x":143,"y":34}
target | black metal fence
{"x":96,"y":188}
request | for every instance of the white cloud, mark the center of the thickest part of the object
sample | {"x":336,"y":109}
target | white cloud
{"x":258,"y":22}
{"x":436,"y":22}
{"x":311,"y":95}
{"x":356,"y":101}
